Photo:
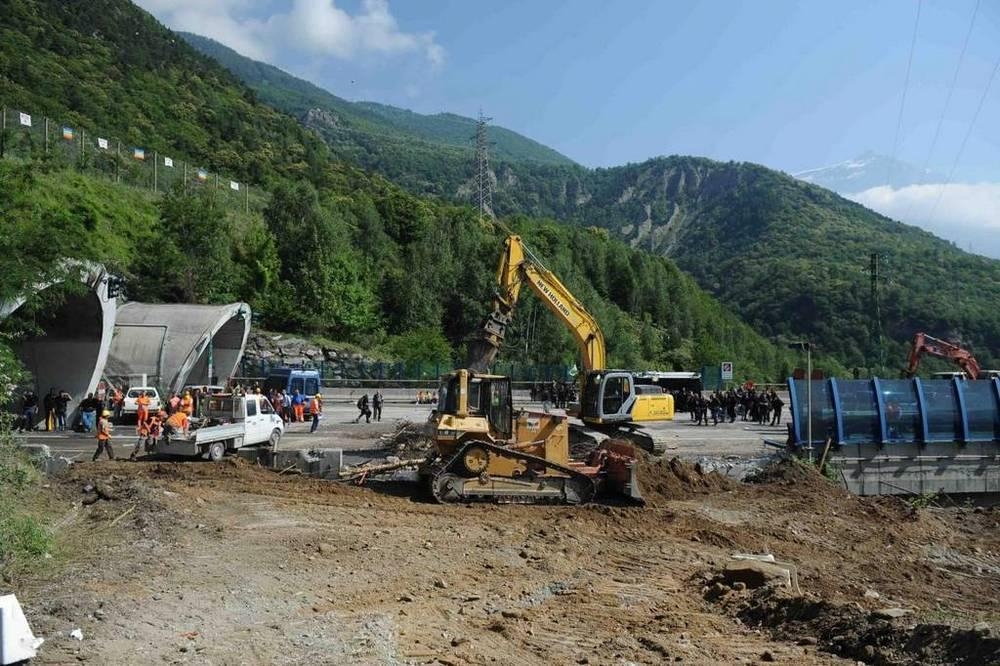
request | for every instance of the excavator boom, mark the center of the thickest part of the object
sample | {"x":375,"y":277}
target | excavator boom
{"x":518,"y":266}
{"x":927,"y":344}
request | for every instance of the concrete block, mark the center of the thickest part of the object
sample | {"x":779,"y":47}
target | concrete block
{"x":55,"y":465}
{"x":756,"y":574}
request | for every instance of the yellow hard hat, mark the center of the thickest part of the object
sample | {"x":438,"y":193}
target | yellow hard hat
{"x":319,"y":396}
{"x":106,"y":413}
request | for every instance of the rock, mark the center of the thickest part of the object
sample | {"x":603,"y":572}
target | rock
{"x":77,"y":634}
{"x":872,"y":594}
{"x":455,"y":642}
{"x":756,"y":574}
{"x":99,"y":614}
{"x":982,"y":628}
{"x":739,"y":586}
{"x":106,"y":491}
{"x":767,"y":656}
{"x":513,"y":614}
{"x":890,"y":613}
{"x":324,"y":548}
{"x":807,"y":640}
{"x":405,"y":597}
{"x":440,"y":584}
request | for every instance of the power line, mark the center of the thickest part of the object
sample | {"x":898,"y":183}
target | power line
{"x":902,"y":102}
{"x":965,"y":139}
{"x":947,"y":102}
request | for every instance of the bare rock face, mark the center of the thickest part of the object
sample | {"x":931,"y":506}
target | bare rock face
{"x":321,"y":118}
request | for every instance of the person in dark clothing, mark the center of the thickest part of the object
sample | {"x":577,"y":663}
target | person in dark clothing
{"x":88,"y":412}
{"x":49,"y":406}
{"x":29,"y":409}
{"x":776,"y":405}
{"x":377,"y":405}
{"x":363,"y":409}
{"x":104,"y":436}
{"x":62,"y":405}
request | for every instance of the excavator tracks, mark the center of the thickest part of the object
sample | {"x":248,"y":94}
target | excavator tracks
{"x":548,"y":483}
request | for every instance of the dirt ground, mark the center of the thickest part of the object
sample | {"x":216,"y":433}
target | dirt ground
{"x":201,"y":563}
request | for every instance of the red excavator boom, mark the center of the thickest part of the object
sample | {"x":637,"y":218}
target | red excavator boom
{"x":926,"y":344}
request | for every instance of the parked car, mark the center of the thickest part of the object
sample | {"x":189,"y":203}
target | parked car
{"x":129,"y":405}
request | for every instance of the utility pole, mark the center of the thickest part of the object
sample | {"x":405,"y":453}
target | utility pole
{"x":875,"y":276}
{"x":483,"y":185}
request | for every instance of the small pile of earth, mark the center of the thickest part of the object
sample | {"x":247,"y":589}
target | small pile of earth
{"x":787,"y":472}
{"x":663,"y":480}
{"x":885,"y":637}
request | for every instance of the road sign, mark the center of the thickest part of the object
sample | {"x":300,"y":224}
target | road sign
{"x":727,"y":371}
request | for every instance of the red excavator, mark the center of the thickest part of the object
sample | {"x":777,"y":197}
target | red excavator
{"x":926,"y":344}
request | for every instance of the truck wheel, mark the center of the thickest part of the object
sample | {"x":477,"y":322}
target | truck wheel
{"x":216,"y":450}
{"x":274,"y":439}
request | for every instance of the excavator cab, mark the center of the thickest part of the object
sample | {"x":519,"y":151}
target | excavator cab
{"x":612,"y":396}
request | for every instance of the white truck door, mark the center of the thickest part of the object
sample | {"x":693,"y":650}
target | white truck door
{"x":254,"y":421}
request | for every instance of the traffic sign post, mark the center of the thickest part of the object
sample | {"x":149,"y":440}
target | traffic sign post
{"x":727,"y":371}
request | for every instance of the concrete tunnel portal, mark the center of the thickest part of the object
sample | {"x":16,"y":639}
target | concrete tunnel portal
{"x":67,"y":345}
{"x":87,"y":337}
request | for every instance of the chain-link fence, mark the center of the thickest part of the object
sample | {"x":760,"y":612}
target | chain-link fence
{"x":32,"y":137}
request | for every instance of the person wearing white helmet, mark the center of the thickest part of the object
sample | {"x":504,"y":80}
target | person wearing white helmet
{"x":104,"y":436}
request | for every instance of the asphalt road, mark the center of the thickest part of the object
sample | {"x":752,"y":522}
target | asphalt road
{"x":337,"y":429}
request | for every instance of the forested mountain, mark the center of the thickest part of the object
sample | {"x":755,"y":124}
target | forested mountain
{"x":788,"y":256}
{"x":333,"y":251}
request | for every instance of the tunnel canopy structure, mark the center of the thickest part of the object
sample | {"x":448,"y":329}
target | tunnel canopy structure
{"x":71,"y":343}
{"x":174,"y":345}
{"x":888,"y":412}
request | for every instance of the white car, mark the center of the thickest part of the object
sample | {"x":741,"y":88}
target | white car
{"x":129,"y":405}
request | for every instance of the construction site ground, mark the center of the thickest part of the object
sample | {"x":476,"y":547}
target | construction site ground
{"x":228,"y":563}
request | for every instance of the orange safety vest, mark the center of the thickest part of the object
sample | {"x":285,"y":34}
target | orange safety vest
{"x":315,"y":406}
{"x":103,"y":429}
{"x":187,"y":405}
{"x":178,"y":420}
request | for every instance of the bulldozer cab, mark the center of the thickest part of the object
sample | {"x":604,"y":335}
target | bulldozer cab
{"x":466,"y":394}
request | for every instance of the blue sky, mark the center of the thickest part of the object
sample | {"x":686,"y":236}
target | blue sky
{"x":792,"y":85}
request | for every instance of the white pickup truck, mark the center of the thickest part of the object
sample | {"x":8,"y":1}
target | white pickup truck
{"x":230,"y":423}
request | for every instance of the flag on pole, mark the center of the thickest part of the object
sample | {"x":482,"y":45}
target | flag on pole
{"x":68,"y":133}
{"x":102,"y":144}
{"x":26,"y":120}
{"x":202,"y":175}
{"x":139,"y":153}
{"x":168,"y":162}
{"x":233,"y":185}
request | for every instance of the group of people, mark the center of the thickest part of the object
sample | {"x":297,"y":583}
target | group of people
{"x":368,"y":410}
{"x":762,"y":407}
{"x":560,"y":394}
{"x":291,"y":406}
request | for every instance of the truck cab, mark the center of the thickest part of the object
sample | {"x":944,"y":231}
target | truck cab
{"x":230,"y":423}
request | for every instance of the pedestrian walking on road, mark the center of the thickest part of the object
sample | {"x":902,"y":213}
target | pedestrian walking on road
{"x":377,"y":405}
{"x":315,"y":408}
{"x":363,"y":409}
{"x":88,"y":412}
{"x":104,"y":436}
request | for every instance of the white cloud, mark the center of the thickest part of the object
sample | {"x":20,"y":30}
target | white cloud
{"x":968,"y":213}
{"x":309,"y":27}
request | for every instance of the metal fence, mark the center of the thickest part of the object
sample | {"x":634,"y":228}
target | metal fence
{"x":32,"y":137}
{"x":358,"y":372}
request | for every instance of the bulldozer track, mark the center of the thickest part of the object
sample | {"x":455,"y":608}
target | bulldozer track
{"x":448,"y":487}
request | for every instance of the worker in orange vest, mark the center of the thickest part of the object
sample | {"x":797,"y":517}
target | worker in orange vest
{"x":104,"y":436}
{"x":187,"y":404}
{"x":178,"y":421}
{"x":315,"y":407}
{"x":142,"y":408}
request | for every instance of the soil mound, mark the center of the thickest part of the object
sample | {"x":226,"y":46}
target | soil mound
{"x":788,"y":472}
{"x":663,"y":480}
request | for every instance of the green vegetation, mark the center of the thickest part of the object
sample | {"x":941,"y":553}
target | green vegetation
{"x":333,"y":252}
{"x":22,"y":538}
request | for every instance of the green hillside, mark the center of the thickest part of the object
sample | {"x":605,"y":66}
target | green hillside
{"x":334,"y":252}
{"x":298,"y":97}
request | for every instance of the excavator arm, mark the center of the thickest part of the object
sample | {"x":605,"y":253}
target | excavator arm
{"x":926,"y":344}
{"x":517,"y":267}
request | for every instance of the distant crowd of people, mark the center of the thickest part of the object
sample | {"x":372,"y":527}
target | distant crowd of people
{"x":763,"y":407}
{"x":560,"y":394}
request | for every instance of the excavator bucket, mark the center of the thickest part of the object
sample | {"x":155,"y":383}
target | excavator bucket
{"x":620,"y":461}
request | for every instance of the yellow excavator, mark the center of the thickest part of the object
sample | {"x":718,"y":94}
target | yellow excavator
{"x":486,"y":452}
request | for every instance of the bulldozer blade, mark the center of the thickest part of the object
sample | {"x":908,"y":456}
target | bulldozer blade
{"x":621,"y":474}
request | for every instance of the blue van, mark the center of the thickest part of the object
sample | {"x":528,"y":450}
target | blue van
{"x":289,"y":380}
